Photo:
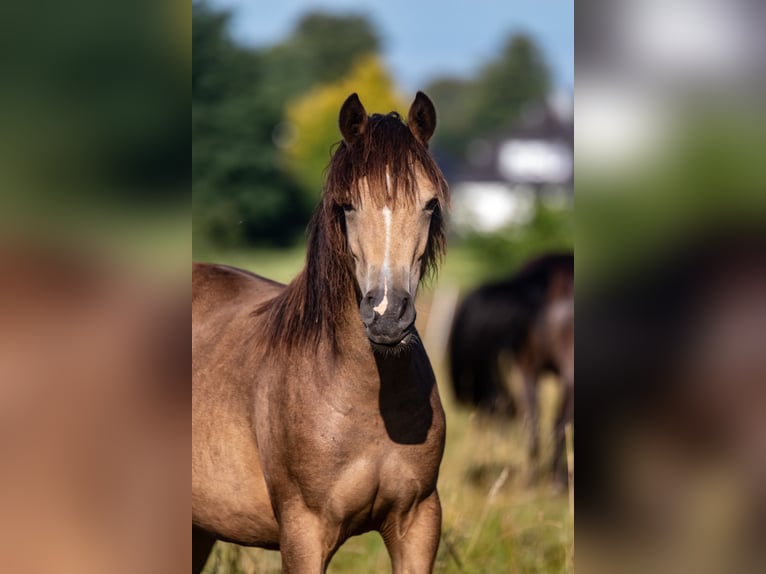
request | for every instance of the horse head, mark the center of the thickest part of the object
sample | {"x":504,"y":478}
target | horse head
{"x":391,"y":195}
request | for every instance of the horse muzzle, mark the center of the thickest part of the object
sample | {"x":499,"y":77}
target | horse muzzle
{"x":388,"y":315}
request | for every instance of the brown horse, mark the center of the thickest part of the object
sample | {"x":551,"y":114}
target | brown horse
{"x":316,"y":413}
{"x":530,"y":315}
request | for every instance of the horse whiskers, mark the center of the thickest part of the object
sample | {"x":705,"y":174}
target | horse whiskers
{"x":407,"y":343}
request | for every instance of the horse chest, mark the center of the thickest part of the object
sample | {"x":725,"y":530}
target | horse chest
{"x":367,"y":487}
{"x":346,"y":469}
{"x":350,"y":450}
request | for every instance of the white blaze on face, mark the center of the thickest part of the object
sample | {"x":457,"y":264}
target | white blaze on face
{"x":383,"y":305}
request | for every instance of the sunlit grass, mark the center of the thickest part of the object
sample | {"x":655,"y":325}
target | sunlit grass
{"x":277,"y":264}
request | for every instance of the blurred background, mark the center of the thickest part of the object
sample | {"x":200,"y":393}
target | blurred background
{"x":95,"y":232}
{"x":671,"y":262}
{"x":93,"y":146}
{"x":95,"y":228}
{"x":268,"y":81}
{"x":267,"y":84}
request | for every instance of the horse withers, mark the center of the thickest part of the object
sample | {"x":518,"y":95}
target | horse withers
{"x":316,"y":414}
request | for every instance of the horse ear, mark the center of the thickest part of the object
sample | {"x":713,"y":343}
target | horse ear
{"x":352,"y":119}
{"x":422,"y":118}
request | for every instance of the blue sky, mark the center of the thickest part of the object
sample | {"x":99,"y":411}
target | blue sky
{"x":426,"y":39}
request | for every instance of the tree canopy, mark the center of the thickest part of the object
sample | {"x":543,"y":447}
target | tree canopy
{"x":242,"y":192}
{"x":494,"y":99}
{"x":264,"y":120}
{"x":313,"y":118}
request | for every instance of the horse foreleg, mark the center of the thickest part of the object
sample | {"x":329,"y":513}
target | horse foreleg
{"x":564,"y":416}
{"x":412,"y":537}
{"x":304,"y":543}
{"x":532,"y":413}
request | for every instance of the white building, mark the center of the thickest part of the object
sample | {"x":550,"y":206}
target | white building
{"x":504,"y":177}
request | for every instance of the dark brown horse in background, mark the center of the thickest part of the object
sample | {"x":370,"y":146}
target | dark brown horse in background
{"x":531,"y":316}
{"x":316,"y":414}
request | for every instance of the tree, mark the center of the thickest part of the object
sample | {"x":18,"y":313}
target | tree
{"x":504,"y":86}
{"x":321,"y":50}
{"x":491,"y":101}
{"x":242,"y":192}
{"x":454,"y":106}
{"x":313,"y":119}
{"x":239,"y":192}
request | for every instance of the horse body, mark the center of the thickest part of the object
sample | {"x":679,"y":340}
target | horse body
{"x":313,"y":423}
{"x":530,"y":315}
{"x":229,"y":495}
{"x":355,"y":471}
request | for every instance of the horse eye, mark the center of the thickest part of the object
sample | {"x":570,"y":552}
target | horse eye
{"x":432,"y":204}
{"x":348,"y":208}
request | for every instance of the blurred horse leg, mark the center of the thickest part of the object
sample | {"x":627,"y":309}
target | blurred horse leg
{"x":531,"y":417}
{"x":564,"y":416}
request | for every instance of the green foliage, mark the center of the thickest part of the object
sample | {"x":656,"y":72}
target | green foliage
{"x":264,"y":122}
{"x":321,"y":50}
{"x":707,"y":178}
{"x":496,"y":255}
{"x":494,"y":99}
{"x":453,"y":98}
{"x":313,"y":119}
{"x":239,"y":193}
{"x":242,"y":193}
{"x":504,"y":86}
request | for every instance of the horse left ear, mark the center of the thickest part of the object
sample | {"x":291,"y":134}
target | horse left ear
{"x":421,"y":118}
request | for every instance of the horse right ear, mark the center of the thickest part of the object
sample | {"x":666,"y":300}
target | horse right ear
{"x":352,"y":119}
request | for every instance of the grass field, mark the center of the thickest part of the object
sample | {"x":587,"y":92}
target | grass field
{"x":460,"y":268}
{"x":493,"y":520}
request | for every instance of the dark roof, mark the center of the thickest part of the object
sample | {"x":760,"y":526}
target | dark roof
{"x":539,"y":123}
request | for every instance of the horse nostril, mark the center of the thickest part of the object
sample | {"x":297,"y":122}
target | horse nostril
{"x":366,"y":309}
{"x":406,"y":315}
{"x":405,"y":307}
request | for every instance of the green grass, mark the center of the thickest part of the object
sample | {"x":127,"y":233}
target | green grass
{"x":461,"y":266}
{"x":493,"y":521}
{"x":278,"y":264}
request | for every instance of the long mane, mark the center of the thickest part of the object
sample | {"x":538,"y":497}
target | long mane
{"x":314,"y":305}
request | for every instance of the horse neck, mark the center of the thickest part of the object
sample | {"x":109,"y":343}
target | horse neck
{"x":309,"y":313}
